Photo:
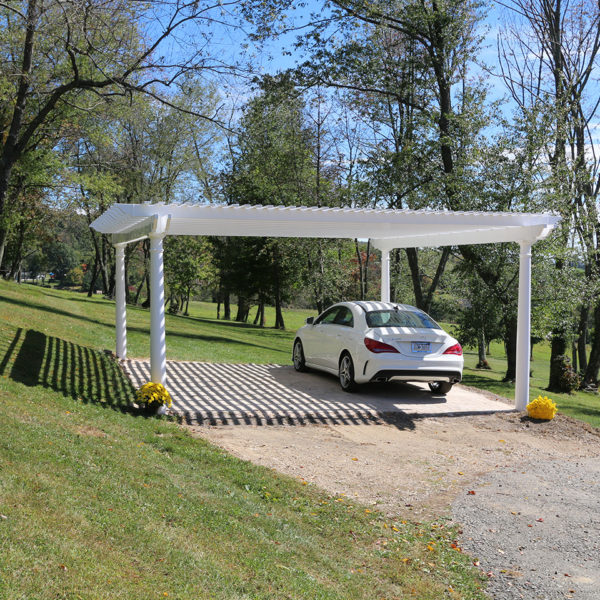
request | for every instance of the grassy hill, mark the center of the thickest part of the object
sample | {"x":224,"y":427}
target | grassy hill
{"x":98,"y":502}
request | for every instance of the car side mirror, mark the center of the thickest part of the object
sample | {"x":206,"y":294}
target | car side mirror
{"x":310,"y":320}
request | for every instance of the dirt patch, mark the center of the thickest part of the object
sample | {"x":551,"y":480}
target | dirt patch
{"x":411,"y":468}
{"x":90,"y":431}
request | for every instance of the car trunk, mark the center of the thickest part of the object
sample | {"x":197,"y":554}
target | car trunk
{"x":412,"y":342}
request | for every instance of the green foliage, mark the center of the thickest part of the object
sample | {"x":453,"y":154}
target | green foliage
{"x":569,"y":379}
{"x":189,"y":265}
{"x":73,"y":277}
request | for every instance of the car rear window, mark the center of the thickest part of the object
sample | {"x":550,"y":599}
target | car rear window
{"x":400,"y":318}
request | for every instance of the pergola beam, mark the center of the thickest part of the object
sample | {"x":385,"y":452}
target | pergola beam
{"x":137,"y":233}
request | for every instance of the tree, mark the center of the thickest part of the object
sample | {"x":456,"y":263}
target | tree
{"x":272,"y":164}
{"x":548,"y":60}
{"x":404,"y":65}
{"x":188,"y":265}
{"x":140,"y":150}
{"x":70,"y":55}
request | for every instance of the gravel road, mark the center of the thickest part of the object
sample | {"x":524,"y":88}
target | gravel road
{"x":535,"y":529}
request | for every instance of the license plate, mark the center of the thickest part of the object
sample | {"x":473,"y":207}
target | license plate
{"x":420,"y":347}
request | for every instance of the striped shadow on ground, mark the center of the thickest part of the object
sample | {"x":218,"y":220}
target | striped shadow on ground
{"x":251,"y":394}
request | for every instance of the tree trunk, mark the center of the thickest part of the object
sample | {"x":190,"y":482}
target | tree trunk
{"x":593,"y":366}
{"x":18,"y":257}
{"x":140,"y":286}
{"x":574,"y":356}
{"x":482,"y":362}
{"x":582,"y":340}
{"x":3,"y":237}
{"x":279,"y":324}
{"x":243,"y":310}
{"x":361,"y":288}
{"x":92,"y":287}
{"x":510,"y":345}
{"x":415,"y":275}
{"x":558,"y":347}
{"x":186,"y":312}
{"x":226,"y":306}
{"x":366,"y":268}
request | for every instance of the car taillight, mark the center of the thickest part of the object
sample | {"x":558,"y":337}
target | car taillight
{"x":456,"y":349}
{"x":379,"y":347}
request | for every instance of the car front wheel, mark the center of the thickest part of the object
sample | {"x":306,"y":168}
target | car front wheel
{"x":298,"y":357}
{"x":347,"y":373}
{"x":440,"y":387}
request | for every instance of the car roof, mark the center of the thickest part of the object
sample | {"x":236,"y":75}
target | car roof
{"x":369,"y":306}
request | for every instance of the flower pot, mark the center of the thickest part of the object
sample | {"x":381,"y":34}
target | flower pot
{"x":154,"y":408}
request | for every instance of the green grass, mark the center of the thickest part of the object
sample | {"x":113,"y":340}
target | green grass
{"x":91,"y":322}
{"x":580,"y":405}
{"x":98,"y":502}
{"x":72,"y":317}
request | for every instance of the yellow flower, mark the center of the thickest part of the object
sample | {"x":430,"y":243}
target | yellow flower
{"x":154,"y":392}
{"x":542,"y":408}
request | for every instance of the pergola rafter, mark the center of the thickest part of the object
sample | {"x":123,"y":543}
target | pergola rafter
{"x":388,"y":229}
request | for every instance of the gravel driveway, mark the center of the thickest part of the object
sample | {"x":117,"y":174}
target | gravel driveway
{"x":536,"y":529}
{"x":526,"y":495}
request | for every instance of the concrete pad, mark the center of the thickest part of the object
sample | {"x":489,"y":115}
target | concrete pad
{"x":266,"y":394}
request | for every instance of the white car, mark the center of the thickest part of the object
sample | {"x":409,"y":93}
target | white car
{"x":361,"y":342}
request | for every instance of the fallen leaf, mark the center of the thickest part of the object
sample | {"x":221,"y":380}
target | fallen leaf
{"x":354,"y":458}
{"x":62,"y":567}
{"x":540,"y":520}
{"x":471,"y":492}
{"x":476,"y":563}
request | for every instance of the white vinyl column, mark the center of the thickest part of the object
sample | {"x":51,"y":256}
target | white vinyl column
{"x":120,"y":305}
{"x":523,"y":328}
{"x":158,"y":345}
{"x":385,"y":275}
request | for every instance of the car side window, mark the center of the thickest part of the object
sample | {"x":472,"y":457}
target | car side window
{"x":344,"y":317}
{"x":328,"y":317}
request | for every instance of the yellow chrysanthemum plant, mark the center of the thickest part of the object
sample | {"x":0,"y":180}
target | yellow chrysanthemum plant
{"x":154,"y":397}
{"x":542,"y":408}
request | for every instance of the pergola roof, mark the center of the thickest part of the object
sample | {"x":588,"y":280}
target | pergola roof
{"x":387,"y":228}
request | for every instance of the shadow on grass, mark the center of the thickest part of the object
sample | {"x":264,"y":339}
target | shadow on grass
{"x":35,"y":359}
{"x":144,"y":330}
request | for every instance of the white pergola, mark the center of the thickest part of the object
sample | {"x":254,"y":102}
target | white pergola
{"x":387,"y":229}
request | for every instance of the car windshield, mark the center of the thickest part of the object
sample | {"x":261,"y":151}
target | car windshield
{"x":400,"y":318}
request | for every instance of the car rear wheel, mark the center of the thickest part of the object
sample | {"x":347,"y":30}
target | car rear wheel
{"x":298,"y":357}
{"x":347,"y":373}
{"x":440,"y":387}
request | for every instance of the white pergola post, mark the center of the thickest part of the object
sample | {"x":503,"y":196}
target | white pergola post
{"x":158,"y":346}
{"x":523,"y":328}
{"x":385,"y":275}
{"x":120,"y":305}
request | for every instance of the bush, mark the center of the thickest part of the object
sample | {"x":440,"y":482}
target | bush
{"x":73,"y":277}
{"x":569,"y":379}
